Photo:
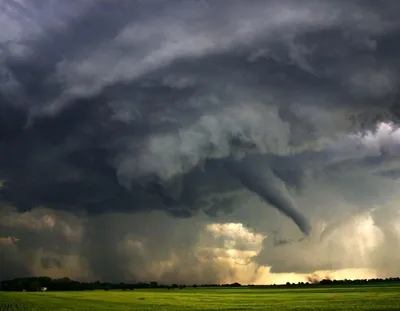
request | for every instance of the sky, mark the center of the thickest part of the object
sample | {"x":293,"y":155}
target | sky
{"x":199,"y":141}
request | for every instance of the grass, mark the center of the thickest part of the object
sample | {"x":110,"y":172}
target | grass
{"x":318,"y":298}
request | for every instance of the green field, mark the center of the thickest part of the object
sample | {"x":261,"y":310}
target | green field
{"x":318,"y":298}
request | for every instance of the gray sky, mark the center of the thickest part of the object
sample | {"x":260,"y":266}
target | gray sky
{"x":171,"y":140}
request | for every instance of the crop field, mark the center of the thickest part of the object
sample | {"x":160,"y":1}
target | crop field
{"x":318,"y":298}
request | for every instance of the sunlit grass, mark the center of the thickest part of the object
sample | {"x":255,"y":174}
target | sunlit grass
{"x":318,"y":298}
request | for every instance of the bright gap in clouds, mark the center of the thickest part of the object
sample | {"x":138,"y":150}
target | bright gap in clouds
{"x":359,"y":235}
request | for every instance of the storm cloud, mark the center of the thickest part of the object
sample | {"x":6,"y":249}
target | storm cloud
{"x":188,"y":112}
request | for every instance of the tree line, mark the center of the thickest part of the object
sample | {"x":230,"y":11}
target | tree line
{"x":66,"y":284}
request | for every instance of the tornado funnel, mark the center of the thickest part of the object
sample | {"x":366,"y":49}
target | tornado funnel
{"x":256,"y":176}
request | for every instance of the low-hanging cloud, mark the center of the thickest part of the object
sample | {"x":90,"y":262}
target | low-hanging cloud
{"x":190,"y":109}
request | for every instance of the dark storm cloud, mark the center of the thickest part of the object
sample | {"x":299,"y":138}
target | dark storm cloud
{"x":165,"y":105}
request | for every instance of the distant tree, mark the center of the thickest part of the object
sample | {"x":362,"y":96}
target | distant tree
{"x":34,"y":286}
{"x":65,"y":284}
{"x":236,"y":284}
{"x":327,"y":282}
